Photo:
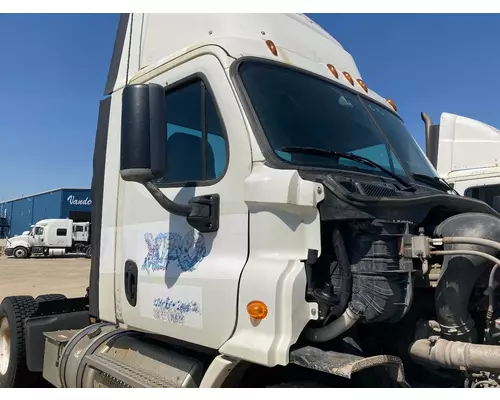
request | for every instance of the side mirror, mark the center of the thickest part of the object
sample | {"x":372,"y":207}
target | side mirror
{"x":143,"y":154}
{"x":143,"y":135}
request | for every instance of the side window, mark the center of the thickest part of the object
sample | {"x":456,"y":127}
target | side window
{"x":38,"y":231}
{"x":489,"y":194}
{"x":61,"y":232}
{"x":196,"y":145}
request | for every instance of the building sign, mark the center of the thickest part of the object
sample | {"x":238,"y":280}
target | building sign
{"x":75,"y":201}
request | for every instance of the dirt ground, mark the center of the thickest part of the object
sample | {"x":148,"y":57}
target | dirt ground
{"x":35,"y":276}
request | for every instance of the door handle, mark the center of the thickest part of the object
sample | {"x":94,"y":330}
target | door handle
{"x":130,"y":281}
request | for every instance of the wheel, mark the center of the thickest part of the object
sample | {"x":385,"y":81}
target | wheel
{"x":20,"y":252}
{"x":88,"y":252}
{"x":13,"y":370}
{"x":50,"y":297}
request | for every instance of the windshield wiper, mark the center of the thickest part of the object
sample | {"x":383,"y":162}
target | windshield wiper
{"x":349,"y":156}
{"x":437,"y":182}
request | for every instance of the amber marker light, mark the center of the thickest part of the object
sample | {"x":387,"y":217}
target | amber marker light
{"x":257,"y":310}
{"x":333,"y":70}
{"x":271,"y":46}
{"x":392,"y":104}
{"x":349,"y":77}
{"x":362,"y":84}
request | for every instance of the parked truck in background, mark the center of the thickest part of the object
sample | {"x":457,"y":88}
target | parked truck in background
{"x":466,"y":153}
{"x":51,"y":237}
{"x":261,"y":217}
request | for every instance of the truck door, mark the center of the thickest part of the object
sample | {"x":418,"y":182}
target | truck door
{"x":86,"y":233}
{"x":79,"y":232}
{"x":38,"y":236}
{"x":169,"y":278}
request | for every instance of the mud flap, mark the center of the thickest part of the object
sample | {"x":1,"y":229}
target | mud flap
{"x":345,"y":365}
{"x":52,"y":315}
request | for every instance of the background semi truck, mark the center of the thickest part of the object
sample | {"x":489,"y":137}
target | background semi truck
{"x":51,"y":237}
{"x":465,"y":153}
{"x":262,"y":217}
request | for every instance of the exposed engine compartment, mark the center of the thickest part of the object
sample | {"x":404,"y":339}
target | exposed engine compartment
{"x":408,"y":278}
{"x":382,"y":280}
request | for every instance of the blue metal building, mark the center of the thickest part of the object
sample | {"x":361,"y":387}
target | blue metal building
{"x":25,"y":211}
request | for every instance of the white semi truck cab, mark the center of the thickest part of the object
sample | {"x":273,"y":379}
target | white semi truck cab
{"x":466,"y":153}
{"x":261,"y":217}
{"x":51,"y":237}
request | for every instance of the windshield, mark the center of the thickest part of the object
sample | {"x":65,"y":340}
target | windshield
{"x":297,"y":110}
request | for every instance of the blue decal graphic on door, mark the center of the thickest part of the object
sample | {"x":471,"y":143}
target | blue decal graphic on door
{"x":168,"y":249}
{"x":174,"y":311}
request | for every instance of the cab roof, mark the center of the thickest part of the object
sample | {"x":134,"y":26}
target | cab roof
{"x":146,"y":41}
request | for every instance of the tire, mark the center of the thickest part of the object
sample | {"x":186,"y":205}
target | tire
{"x":13,"y":369}
{"x":88,"y":252}
{"x":20,"y":252}
{"x":50,"y":297}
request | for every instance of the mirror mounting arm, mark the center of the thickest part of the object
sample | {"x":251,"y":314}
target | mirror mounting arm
{"x":169,"y":205}
{"x":202,"y":212}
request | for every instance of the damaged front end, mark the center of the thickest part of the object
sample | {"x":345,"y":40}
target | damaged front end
{"x":404,"y":278}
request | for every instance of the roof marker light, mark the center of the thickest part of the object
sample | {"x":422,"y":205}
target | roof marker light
{"x":392,"y":104}
{"x":272,"y":47}
{"x":333,"y":70}
{"x":362,"y":84}
{"x":349,"y":77}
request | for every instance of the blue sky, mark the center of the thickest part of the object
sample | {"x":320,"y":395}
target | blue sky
{"x":54,"y":68}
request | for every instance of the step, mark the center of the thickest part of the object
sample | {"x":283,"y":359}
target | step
{"x":132,"y":376}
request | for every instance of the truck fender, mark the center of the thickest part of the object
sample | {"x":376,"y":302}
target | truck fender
{"x":218,"y":371}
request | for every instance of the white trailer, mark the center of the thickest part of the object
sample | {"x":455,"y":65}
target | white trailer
{"x":51,"y":237}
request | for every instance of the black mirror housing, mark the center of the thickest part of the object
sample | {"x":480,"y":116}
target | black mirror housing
{"x":143,"y":133}
{"x":143,"y":154}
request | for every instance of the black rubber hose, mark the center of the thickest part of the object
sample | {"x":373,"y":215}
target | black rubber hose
{"x":344,"y":267}
{"x":336,"y":328}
